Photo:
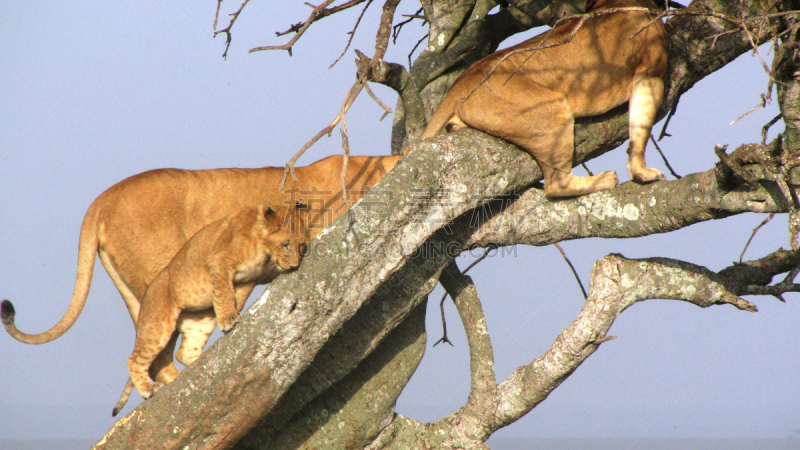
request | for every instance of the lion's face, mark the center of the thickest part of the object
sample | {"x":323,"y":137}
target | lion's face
{"x":286,"y":239}
{"x":292,"y":248}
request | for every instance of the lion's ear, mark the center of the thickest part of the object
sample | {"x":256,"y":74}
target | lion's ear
{"x":268,"y":211}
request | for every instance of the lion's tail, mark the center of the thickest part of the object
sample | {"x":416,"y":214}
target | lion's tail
{"x":87,"y":251}
{"x":126,"y":393}
{"x":440,"y":117}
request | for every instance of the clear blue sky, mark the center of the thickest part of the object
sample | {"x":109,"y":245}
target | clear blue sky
{"x":94,"y":92}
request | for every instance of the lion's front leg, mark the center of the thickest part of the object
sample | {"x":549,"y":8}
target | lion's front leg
{"x":225,"y":306}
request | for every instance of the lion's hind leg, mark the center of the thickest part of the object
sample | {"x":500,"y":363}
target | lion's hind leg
{"x":646,"y":96}
{"x":163,"y":369}
{"x":195,"y":328}
{"x":158,"y":318}
{"x":540,"y":121}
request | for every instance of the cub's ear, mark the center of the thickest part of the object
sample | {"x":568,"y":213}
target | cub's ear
{"x":268,"y":212}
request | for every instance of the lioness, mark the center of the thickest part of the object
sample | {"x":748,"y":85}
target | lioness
{"x":213,"y":269}
{"x":140,"y":223}
{"x":532,"y":97}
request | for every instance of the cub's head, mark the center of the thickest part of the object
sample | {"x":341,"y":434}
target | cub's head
{"x":284,"y":236}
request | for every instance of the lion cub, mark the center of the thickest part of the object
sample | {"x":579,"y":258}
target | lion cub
{"x":230,"y":255}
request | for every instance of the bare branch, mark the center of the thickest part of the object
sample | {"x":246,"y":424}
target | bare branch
{"x":396,"y":77}
{"x":444,"y":323}
{"x":642,"y":210}
{"x":345,"y":160}
{"x":299,"y":32}
{"x":672,"y":109}
{"x":574,"y":272}
{"x":381,"y":44}
{"x":227,"y":30}
{"x":352,"y":33}
{"x":663,"y":157}
{"x":762,"y":104}
{"x":386,"y":109}
{"x":216,"y":15}
{"x":755,"y":230}
{"x":481,"y":355}
{"x":766,"y":128}
{"x":444,"y":297}
{"x":617,"y":283}
{"x":417,"y":15}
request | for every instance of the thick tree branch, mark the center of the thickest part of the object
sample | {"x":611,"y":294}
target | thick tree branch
{"x":629,"y":211}
{"x":345,"y":350}
{"x":617,"y":283}
{"x":281,"y":335}
{"x":352,"y":412}
{"x":481,"y":356}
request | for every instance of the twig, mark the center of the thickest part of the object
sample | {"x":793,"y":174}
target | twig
{"x":481,"y":355}
{"x":381,"y":43}
{"x":480,"y":258}
{"x":671,"y":113}
{"x":755,"y":50}
{"x":322,"y":14}
{"x":422,"y":39}
{"x":574,"y":272}
{"x":315,"y":14}
{"x":444,"y":297}
{"x":587,"y":169}
{"x":396,"y":29}
{"x":345,"y":160}
{"x":352,"y":33}
{"x":351,"y":96}
{"x":664,"y":158}
{"x":216,"y":15}
{"x":386,"y":109}
{"x":755,"y":230}
{"x":765,"y":128}
{"x":444,"y":323}
{"x":227,"y":30}
{"x":760,"y":105}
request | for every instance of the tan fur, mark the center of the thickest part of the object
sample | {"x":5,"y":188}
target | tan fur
{"x":210,"y":271}
{"x":532,"y":98}
{"x":140,"y":223}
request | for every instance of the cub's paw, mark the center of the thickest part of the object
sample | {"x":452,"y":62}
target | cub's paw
{"x":147,"y":391}
{"x":226,"y":323}
{"x":157,"y":387}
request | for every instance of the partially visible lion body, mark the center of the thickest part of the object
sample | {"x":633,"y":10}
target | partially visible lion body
{"x":530,"y":94}
{"x":140,"y":223}
{"x":213,"y":269}
{"x":145,"y":219}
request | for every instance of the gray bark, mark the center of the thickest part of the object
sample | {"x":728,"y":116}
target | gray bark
{"x":305,"y":345}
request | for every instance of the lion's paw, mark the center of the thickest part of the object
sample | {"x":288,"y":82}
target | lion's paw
{"x":647,"y":175}
{"x":227,"y":323}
